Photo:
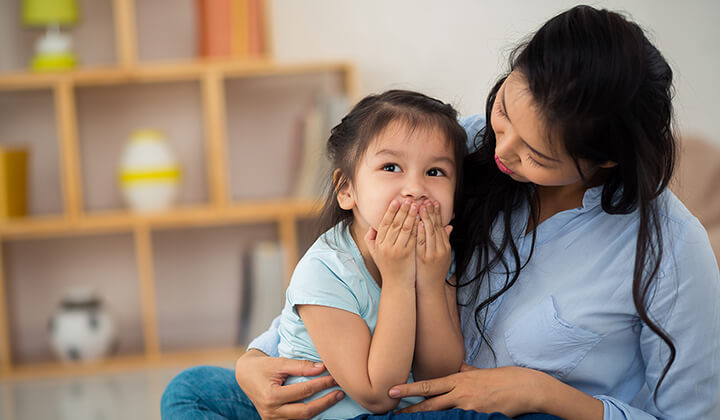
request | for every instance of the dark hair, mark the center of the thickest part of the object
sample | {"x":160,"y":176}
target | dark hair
{"x":350,"y":139}
{"x":604,"y":92}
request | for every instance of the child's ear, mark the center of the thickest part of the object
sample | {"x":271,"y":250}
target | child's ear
{"x":343,"y":191}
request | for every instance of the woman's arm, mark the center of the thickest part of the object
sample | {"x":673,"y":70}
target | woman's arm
{"x":439,"y":348}
{"x":261,"y":378}
{"x":509,"y":390}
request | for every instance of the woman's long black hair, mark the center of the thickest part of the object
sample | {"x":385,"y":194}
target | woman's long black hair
{"x":604,"y":92}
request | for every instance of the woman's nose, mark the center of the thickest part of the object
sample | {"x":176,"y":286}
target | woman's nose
{"x":506,"y":145}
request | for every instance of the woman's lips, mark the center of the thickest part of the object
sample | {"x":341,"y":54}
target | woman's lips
{"x":502,"y":167}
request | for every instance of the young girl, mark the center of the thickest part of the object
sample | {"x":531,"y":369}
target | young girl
{"x":370,"y":299}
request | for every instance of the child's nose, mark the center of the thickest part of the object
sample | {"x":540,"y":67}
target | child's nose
{"x":415,"y":190}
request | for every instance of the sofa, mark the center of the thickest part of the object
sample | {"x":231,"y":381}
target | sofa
{"x":697,"y":184}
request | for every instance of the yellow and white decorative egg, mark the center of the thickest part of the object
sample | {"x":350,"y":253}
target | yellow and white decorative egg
{"x":149,"y":172}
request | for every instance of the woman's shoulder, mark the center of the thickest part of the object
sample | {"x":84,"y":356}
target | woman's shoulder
{"x":473,"y":124}
{"x":686,"y":238}
{"x":676,"y":218}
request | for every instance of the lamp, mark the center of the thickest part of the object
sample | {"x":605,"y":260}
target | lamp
{"x":53,"y":51}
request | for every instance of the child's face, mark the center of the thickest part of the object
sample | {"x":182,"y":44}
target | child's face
{"x":401,"y":164}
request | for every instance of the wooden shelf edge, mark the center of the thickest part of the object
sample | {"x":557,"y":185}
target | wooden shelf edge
{"x":126,"y":221}
{"x":120,"y":364}
{"x":162,"y":72}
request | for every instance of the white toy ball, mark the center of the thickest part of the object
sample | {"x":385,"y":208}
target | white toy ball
{"x":149,"y":172}
{"x":81,"y":328}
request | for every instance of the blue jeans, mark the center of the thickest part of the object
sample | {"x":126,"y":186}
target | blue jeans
{"x":208,"y":392}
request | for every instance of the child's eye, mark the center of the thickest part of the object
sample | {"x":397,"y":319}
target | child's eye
{"x":436,"y":172}
{"x":391,"y":167}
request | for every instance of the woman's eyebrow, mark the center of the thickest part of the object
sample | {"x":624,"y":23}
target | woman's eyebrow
{"x":507,"y":115}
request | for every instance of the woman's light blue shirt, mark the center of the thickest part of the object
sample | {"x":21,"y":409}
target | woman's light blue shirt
{"x":571,"y":314}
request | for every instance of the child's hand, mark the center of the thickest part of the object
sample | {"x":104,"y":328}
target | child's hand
{"x":433,"y":247}
{"x":392,"y":246}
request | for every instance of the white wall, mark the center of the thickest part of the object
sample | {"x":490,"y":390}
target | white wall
{"x":455,"y":49}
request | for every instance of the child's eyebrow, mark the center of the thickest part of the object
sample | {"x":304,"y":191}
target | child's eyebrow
{"x":400,"y":154}
{"x":445,"y":159}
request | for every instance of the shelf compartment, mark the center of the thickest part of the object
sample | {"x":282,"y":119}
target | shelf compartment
{"x":92,"y":36}
{"x":200,"y":304}
{"x":263,"y":129}
{"x":105,"y":263}
{"x":108,"y":115}
{"x":29,"y":118}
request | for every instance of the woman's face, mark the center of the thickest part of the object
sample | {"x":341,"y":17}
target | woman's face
{"x":523,"y":150}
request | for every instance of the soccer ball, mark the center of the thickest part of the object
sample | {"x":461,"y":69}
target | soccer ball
{"x":81,"y":328}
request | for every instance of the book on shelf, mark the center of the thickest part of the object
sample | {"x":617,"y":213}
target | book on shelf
{"x":13,"y":180}
{"x":231,"y":28}
{"x":263,"y":289}
{"x":310,"y":168}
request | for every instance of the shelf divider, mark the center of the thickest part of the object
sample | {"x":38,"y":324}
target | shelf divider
{"x":143,"y":253}
{"x":125,"y":33}
{"x":289,"y":242}
{"x":69,"y":155}
{"x":213,"y":92}
{"x":5,"y":355}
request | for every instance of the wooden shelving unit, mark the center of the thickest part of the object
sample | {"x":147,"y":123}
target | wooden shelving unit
{"x":220,"y":208}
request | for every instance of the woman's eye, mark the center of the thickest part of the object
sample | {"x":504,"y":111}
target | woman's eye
{"x":499,"y":109}
{"x":435,"y":172}
{"x":534,"y":162}
{"x":391,"y":167}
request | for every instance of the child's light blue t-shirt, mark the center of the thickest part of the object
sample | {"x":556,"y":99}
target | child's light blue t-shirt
{"x":332,"y":273}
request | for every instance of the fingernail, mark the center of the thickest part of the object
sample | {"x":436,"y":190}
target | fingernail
{"x":413,"y":207}
{"x":394,"y":203}
{"x":394,"y":393}
{"x":318,"y":365}
{"x":340,"y":395}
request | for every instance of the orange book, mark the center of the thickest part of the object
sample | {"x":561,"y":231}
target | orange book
{"x":240,"y":28}
{"x":214,"y":28}
{"x":256,"y":36}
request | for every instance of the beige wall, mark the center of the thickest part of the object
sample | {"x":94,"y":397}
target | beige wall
{"x":454,"y":49}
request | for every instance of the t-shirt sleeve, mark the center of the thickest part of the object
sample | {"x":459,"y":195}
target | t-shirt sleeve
{"x":321,"y":282}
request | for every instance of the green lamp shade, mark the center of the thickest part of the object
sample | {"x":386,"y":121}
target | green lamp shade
{"x":45,"y":12}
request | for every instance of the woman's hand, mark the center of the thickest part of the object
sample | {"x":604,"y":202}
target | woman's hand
{"x":392,"y":246}
{"x":433,"y":248}
{"x":510,"y":390}
{"x":261,"y":378}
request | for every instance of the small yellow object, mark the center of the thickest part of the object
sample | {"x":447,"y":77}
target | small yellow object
{"x":13,"y":181}
{"x":50,"y":62}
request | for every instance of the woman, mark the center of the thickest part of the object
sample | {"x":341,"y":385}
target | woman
{"x":587,"y":289}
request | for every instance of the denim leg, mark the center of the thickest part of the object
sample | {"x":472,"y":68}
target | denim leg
{"x":206,"y":392}
{"x":456,"y":414}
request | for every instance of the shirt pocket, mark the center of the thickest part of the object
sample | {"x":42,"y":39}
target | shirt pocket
{"x":541,"y":340}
